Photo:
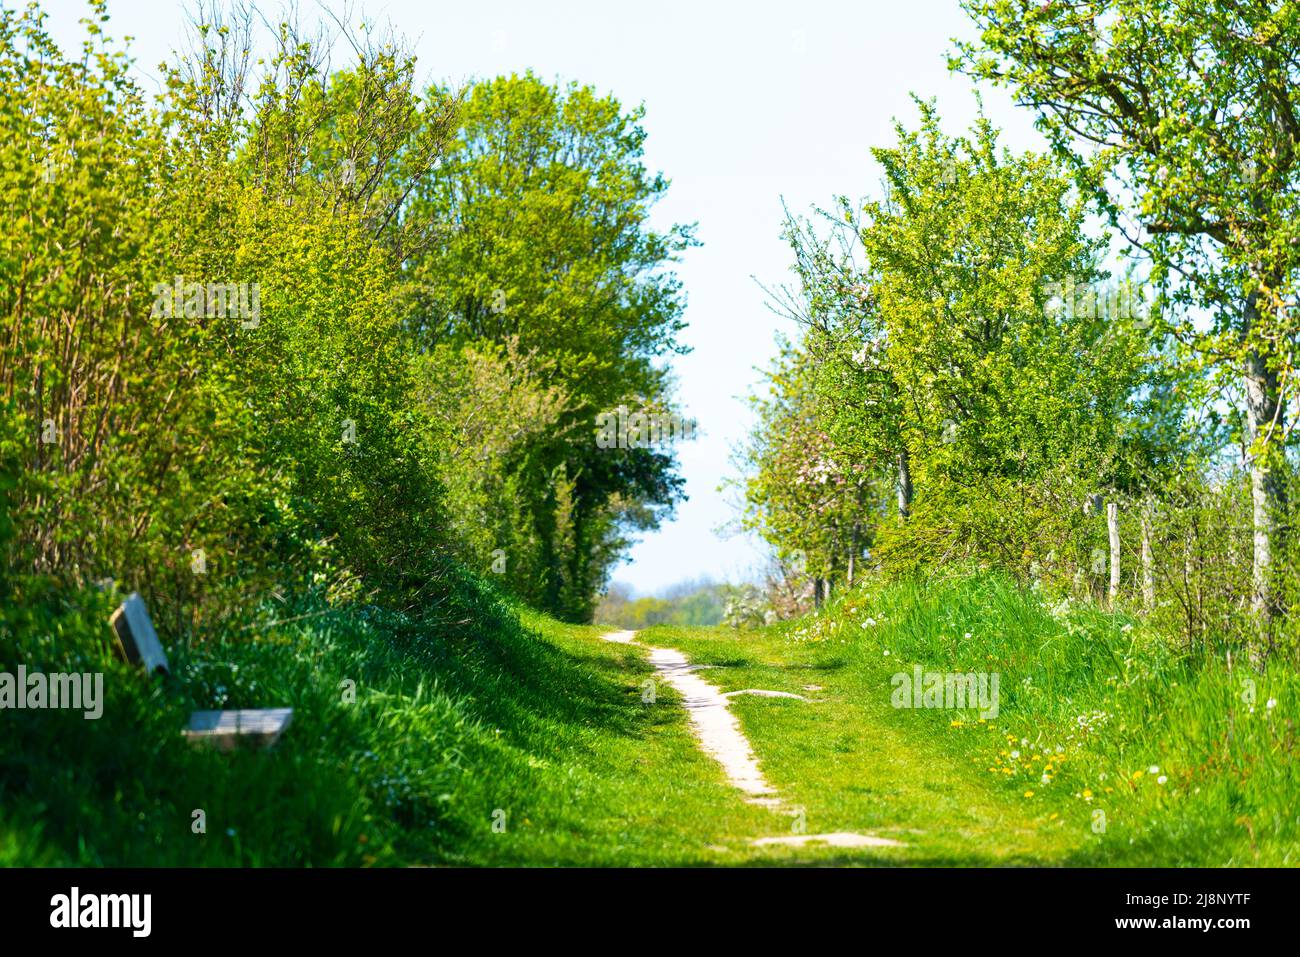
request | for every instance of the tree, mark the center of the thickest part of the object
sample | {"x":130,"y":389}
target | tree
{"x":540,"y":208}
{"x":1184,"y":116}
{"x":814,"y":502}
{"x":951,"y":353}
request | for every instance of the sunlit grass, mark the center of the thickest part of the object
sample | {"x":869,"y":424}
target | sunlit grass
{"x":1109,"y":746}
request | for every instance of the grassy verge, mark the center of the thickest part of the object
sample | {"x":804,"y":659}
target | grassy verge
{"x":495,"y":737}
{"x":1109,"y":748}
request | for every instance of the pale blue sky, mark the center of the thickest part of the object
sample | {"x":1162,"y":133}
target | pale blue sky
{"x":746,"y":103}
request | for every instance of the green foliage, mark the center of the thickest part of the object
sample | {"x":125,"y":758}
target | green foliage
{"x":223,"y":384}
{"x":1182,"y":120}
{"x":949,"y":366}
{"x":325,"y":420}
{"x":542,"y":246}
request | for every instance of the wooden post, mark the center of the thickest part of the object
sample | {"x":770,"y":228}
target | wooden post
{"x":1112,"y":526}
{"x":1148,"y":560}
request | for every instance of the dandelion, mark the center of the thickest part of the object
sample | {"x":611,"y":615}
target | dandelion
{"x":1029,"y":794}
{"x":1271,"y":703}
{"x":1154,"y":769}
{"x":1045,"y":779}
{"x":1162,"y":779}
{"x":1015,"y":754}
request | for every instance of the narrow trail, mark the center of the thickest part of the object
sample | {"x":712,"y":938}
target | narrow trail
{"x":720,"y":736}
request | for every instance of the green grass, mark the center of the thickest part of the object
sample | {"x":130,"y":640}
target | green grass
{"x":1115,"y":700}
{"x":481,"y":714}
{"x":504,"y":718}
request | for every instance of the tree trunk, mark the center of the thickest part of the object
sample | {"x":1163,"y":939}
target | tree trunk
{"x":817,"y":592}
{"x":904,"y":485}
{"x":1112,"y":528}
{"x":1148,"y":561}
{"x":853,"y":555}
{"x":1267,"y":491}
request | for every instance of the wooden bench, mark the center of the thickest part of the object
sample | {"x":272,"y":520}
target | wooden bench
{"x":138,"y":643}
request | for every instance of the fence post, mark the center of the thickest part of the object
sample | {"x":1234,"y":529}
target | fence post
{"x":1148,"y":559}
{"x":1112,"y":526}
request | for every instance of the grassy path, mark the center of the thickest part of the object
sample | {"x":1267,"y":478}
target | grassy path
{"x":847,"y":761}
{"x":1107,"y":747}
{"x":638,"y":789}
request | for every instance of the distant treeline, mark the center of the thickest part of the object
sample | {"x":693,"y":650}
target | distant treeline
{"x":697,"y":602}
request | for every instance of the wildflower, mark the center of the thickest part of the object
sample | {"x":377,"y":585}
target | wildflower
{"x":886,"y":652}
{"x":1015,"y":754}
{"x":1029,"y":794}
{"x":1154,"y":769}
{"x":1045,"y":779}
{"x":1162,"y":779}
{"x":1271,"y":703}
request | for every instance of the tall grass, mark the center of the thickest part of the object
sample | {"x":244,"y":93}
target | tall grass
{"x":1176,"y":759}
{"x":407,"y":732}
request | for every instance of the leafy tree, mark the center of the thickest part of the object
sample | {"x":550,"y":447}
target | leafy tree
{"x":541,"y":211}
{"x":945,"y":354}
{"x":1183,"y":116}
